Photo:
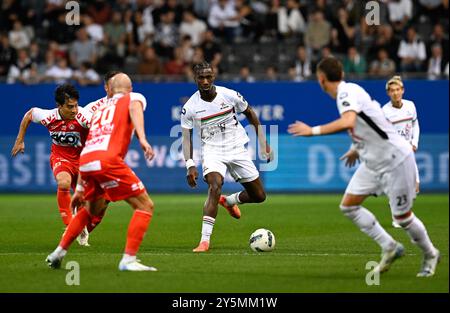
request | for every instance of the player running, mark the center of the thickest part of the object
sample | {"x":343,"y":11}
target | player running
{"x":212,"y":110}
{"x":105,"y":175}
{"x":68,"y":127}
{"x":388,"y":166}
{"x":402,"y":113}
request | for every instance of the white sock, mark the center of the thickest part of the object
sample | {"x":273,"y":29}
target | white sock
{"x":369,"y":225}
{"x":419,"y":236}
{"x":128,"y":258}
{"x":207,"y":227}
{"x":60,"y":252}
{"x":233,"y":199}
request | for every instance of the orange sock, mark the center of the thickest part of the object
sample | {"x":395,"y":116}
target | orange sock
{"x":136,"y":231}
{"x":95,"y":220}
{"x":75,"y":228}
{"x":63,"y":196}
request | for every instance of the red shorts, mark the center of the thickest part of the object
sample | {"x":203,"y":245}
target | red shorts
{"x":62,"y":165}
{"x":114,"y":182}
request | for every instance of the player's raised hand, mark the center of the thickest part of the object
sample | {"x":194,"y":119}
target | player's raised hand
{"x":350,"y":157}
{"x":18,"y":147}
{"x":148,"y":150}
{"x":299,"y":129}
{"x":192,"y":176}
{"x":77,"y":200}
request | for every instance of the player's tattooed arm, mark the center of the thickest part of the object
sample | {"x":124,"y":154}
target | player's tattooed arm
{"x":188,"y":153}
{"x":263,"y":144}
{"x":19,"y":145}
{"x":137,"y":118}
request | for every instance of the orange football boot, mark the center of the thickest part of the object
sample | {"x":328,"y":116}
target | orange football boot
{"x":202,"y":247}
{"x":233,"y":210}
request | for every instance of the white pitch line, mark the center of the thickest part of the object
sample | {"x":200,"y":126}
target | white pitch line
{"x":209,"y":254}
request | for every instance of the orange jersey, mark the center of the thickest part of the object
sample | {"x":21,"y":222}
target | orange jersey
{"x":111,"y":130}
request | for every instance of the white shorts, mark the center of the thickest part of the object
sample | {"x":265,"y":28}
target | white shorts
{"x":398,"y":184}
{"x":240,"y":165}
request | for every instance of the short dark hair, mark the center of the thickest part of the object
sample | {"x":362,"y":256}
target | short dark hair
{"x":65,"y":92}
{"x":201,"y":66}
{"x":332,"y":68}
{"x":109,"y":75}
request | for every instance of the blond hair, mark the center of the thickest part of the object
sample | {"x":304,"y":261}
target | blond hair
{"x":394,"y":80}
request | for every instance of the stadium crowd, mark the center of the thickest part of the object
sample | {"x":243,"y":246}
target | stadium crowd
{"x":160,"y":40}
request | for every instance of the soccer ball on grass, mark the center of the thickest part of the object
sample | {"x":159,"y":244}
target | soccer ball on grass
{"x":262,"y":240}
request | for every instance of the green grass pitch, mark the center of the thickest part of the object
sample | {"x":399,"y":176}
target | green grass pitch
{"x":317,"y":248}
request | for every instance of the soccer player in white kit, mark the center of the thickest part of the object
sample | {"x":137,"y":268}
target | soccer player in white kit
{"x":388,"y":166}
{"x":402,"y":113}
{"x":212,"y":110}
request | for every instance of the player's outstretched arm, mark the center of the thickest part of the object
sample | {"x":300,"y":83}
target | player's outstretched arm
{"x":19,"y":145}
{"x":188,"y":153}
{"x":263,"y":144}
{"x":137,"y":118}
{"x":346,"y":121}
{"x":416,"y":135}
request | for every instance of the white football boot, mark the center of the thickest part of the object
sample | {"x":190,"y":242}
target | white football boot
{"x":429,"y":265}
{"x":388,"y":257}
{"x":83,"y":238}
{"x":135,"y":266}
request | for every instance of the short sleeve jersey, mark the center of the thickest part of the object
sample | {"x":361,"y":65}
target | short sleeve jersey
{"x":68,"y":136}
{"x":217,"y":120}
{"x":404,"y":119}
{"x":111,"y":129}
{"x":374,"y":137}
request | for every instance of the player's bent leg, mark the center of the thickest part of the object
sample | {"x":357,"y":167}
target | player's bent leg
{"x":253,"y":193}
{"x":143,"y":212}
{"x":63,"y":181}
{"x":368,"y":224}
{"x":419,"y":236}
{"x":215,"y":182}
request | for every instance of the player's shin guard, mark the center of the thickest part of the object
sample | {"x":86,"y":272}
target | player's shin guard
{"x":369,"y":225}
{"x":63,"y":197}
{"x":418,"y":234}
{"x":136,"y":231}
{"x":75,"y":227}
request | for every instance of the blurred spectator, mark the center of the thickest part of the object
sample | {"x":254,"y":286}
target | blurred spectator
{"x":317,"y":32}
{"x":210,"y":46}
{"x":144,"y":30}
{"x":271,"y":74}
{"x":31,"y":75}
{"x":86,"y":75}
{"x":446,"y":72}
{"x":59,"y":31}
{"x":82,"y":49}
{"x":400,"y":12}
{"x":383,"y":65}
{"x":354,"y":62}
{"x":272,"y":19}
{"x":245,"y":75}
{"x":100,"y":11}
{"x":436,"y":64}
{"x":249,"y":24}
{"x":301,"y":68}
{"x":193,"y":27}
{"x":166,"y":35}
{"x":290,"y":19}
{"x":439,"y":37}
{"x":94,"y":30}
{"x":411,"y":52}
{"x":385,"y":40}
{"x":150,"y":64}
{"x":343,"y":32}
{"x":35,"y":53}
{"x":201,"y":8}
{"x":199,"y":56}
{"x":16,"y":70}
{"x":18,"y":37}
{"x":176,"y":66}
{"x":325,"y":6}
{"x":7,"y":55}
{"x":187,"y":50}
{"x":176,"y":8}
{"x":50,"y":60}
{"x":115,"y":33}
{"x":224,"y":20}
{"x":430,"y":8}
{"x":10,"y":11}
{"x":60,"y":73}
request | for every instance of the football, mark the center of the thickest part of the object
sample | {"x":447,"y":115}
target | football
{"x":262,"y":240}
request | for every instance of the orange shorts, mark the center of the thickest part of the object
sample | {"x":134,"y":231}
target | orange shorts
{"x":62,"y":165}
{"x":113,"y":182}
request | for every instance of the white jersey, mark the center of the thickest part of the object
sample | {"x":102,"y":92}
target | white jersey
{"x":93,"y":106}
{"x":378,"y":144}
{"x":219,"y":127}
{"x":405,"y":120}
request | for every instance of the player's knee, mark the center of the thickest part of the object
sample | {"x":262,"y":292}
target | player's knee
{"x":349,"y":210}
{"x":63,"y":183}
{"x":215,"y":189}
{"x":259,"y":197}
{"x":404,"y":220}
